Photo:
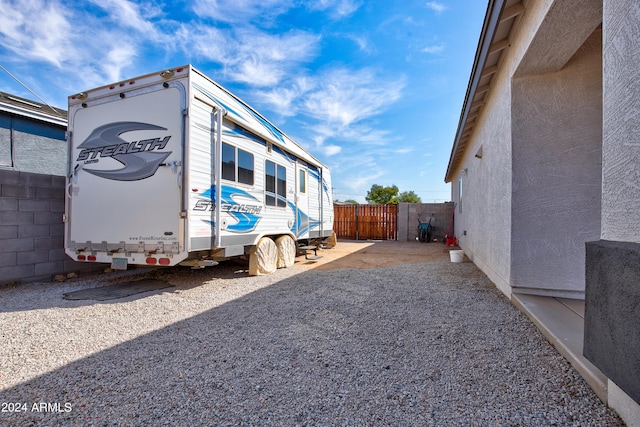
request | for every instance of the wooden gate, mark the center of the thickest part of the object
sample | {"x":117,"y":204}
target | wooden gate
{"x":363,"y":222}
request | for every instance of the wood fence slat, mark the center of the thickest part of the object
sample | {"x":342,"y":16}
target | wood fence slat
{"x":362,"y":222}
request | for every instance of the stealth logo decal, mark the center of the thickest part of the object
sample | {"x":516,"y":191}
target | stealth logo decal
{"x":246,"y":215}
{"x":138,"y":157}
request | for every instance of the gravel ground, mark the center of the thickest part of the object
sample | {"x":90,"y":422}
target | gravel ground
{"x":431,"y":344}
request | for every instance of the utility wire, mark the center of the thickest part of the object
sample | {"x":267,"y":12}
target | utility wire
{"x":32,"y":92}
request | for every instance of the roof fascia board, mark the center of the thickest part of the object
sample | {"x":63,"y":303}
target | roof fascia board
{"x":32,"y":114}
{"x":491,"y":21}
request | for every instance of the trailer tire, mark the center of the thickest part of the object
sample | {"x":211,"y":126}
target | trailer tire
{"x":286,"y":251}
{"x":332,"y":241}
{"x":263,"y":258}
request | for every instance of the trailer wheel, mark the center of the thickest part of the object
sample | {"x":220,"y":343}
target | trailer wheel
{"x":263,"y":258}
{"x":286,"y":251}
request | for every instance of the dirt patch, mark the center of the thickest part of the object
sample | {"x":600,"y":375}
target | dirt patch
{"x":375,"y":254}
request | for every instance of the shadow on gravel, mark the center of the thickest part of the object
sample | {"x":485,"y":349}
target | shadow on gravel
{"x":348,"y":254}
{"x":94,"y":286}
{"x":118,"y":291}
{"x":431,"y":344}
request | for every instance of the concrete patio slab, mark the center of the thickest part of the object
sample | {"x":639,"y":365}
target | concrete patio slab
{"x":561,"y":320}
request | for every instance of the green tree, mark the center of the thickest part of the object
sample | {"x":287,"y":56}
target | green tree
{"x":379,"y":195}
{"x":409,"y":197}
{"x":351,"y":202}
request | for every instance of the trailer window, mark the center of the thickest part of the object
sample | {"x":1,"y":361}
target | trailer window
{"x":282,"y":186}
{"x":228,"y":162}
{"x":232,"y":156}
{"x":302,"y":181}
{"x":245,"y":167}
{"x":275,"y":185}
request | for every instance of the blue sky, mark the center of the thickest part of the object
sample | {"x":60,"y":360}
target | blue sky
{"x":374,"y":89}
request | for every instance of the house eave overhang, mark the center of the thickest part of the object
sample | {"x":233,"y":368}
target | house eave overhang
{"x":14,"y":105}
{"x":493,"y":42}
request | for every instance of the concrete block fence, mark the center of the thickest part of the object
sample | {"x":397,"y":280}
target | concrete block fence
{"x":441,"y":214}
{"x":31,"y":228}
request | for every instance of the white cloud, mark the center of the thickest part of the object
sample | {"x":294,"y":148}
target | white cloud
{"x":99,"y":46}
{"x":362,"y":183}
{"x":118,"y":58}
{"x":433,"y":49}
{"x":256,"y":71}
{"x":403,"y":150}
{"x":363,"y":43}
{"x":264,"y":12}
{"x":263,"y":59}
{"x":208,"y":42}
{"x":436,"y":6}
{"x":36,"y":30}
{"x":242,"y":11}
{"x":337,"y":107}
{"x":354,"y":137}
{"x":131,"y":15}
{"x":346,"y":96}
{"x":337,"y":9}
{"x":284,"y":99}
{"x":249,"y":55}
{"x":331,"y":150}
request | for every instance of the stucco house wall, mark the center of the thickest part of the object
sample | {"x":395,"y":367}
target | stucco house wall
{"x":559,"y":134}
{"x":556,"y":186}
{"x":612,"y":304}
{"x":621,"y":128}
{"x":482,"y":220}
{"x":484,"y":223}
{"x":531,"y":170}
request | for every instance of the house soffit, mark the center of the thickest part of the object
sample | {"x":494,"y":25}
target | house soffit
{"x":500,"y":20}
{"x":566,"y":26}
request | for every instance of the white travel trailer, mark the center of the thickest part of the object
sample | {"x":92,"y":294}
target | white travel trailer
{"x":172,"y":169}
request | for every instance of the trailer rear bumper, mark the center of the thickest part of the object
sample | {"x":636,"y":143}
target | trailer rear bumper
{"x":121,"y":260}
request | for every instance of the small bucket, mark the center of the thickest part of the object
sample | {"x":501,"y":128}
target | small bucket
{"x":456,"y":255}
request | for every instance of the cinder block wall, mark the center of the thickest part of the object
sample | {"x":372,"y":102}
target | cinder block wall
{"x":408,"y":219}
{"x":31,"y":228}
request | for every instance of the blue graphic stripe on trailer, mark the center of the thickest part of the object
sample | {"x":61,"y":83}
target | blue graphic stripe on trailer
{"x":213,"y":98}
{"x":268,"y":126}
{"x":315,"y":173}
{"x":303,"y":223}
{"x":246,"y":215}
{"x":236,"y":130}
{"x":275,"y":132}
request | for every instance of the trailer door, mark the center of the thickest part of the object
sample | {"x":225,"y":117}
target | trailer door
{"x":126,"y":174}
{"x":205,"y":157}
{"x":302,"y":201}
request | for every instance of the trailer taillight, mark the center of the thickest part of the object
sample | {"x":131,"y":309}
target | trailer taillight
{"x":91,"y":258}
{"x":151,"y":261}
{"x":164,"y":261}
{"x":82,"y":257}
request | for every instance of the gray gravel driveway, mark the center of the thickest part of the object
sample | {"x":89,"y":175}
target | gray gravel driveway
{"x":431,"y":344}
